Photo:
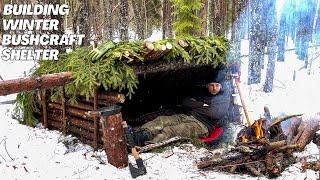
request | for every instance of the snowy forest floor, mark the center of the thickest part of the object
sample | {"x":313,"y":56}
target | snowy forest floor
{"x":36,"y":153}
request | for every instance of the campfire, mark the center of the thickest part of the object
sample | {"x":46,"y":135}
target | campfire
{"x":264,"y":148}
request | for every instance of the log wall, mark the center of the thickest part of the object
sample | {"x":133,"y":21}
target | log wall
{"x":73,"y":119}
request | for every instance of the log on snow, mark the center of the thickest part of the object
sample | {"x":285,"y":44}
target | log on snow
{"x":114,"y":140}
{"x":32,"y":83}
{"x":311,"y":127}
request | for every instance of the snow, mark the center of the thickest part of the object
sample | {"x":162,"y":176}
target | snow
{"x":37,"y":153}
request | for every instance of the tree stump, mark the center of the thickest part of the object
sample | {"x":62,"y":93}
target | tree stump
{"x":114,"y":140}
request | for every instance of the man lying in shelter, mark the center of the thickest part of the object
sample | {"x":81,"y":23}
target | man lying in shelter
{"x":202,"y":115}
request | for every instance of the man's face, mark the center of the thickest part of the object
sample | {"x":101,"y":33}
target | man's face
{"x":214,"y":88}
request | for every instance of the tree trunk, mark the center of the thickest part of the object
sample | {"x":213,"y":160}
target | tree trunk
{"x":271,"y":35}
{"x":256,"y":49}
{"x":216,"y":22}
{"x":204,"y":16}
{"x":1,"y":19}
{"x":109,"y":25}
{"x":164,"y":18}
{"x":124,"y":22}
{"x":139,"y":20}
{"x":170,"y":20}
{"x":83,"y":21}
{"x":281,"y":39}
{"x":32,"y":83}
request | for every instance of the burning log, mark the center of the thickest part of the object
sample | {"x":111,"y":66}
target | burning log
{"x":32,"y":83}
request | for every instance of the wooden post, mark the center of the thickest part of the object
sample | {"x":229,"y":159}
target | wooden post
{"x":44,"y":108}
{"x":64,"y":118}
{"x":243,"y":104}
{"x":95,"y":119}
{"x":114,"y":140}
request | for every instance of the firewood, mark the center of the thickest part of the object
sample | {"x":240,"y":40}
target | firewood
{"x":293,"y":129}
{"x":149,"y":45}
{"x":276,"y":145}
{"x":32,"y":83}
{"x":252,"y":169}
{"x":169,"y":46}
{"x":314,"y":165}
{"x":308,"y":132}
{"x":278,"y":120}
{"x":183,"y":43}
{"x":220,"y":160}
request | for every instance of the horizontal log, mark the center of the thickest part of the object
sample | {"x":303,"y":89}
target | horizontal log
{"x":75,"y":121}
{"x":32,"y":83}
{"x":56,"y":124}
{"x":106,"y":98}
{"x":79,"y":105}
{"x":161,"y":66}
{"x":71,"y":111}
{"x":81,"y":132}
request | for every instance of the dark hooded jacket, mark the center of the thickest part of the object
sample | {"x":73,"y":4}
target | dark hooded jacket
{"x":216,"y":112}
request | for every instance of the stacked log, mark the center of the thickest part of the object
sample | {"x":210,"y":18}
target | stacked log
{"x":155,"y":53}
{"x":76,"y":120}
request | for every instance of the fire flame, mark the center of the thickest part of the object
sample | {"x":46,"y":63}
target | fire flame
{"x":259,"y":129}
{"x":254,"y":132}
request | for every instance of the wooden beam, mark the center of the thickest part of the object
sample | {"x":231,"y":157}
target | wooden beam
{"x":32,"y":83}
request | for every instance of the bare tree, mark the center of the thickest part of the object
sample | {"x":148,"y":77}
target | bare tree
{"x":256,"y":49}
{"x":83,"y":21}
{"x":109,"y":13}
{"x":137,"y":7}
{"x":124,"y":22}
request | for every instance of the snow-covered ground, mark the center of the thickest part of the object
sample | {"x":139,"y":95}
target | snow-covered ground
{"x":36,"y":153}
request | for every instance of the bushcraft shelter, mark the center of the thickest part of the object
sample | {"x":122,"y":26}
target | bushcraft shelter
{"x":141,"y":76}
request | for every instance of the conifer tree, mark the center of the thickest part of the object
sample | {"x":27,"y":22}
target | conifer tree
{"x":187,"y":22}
